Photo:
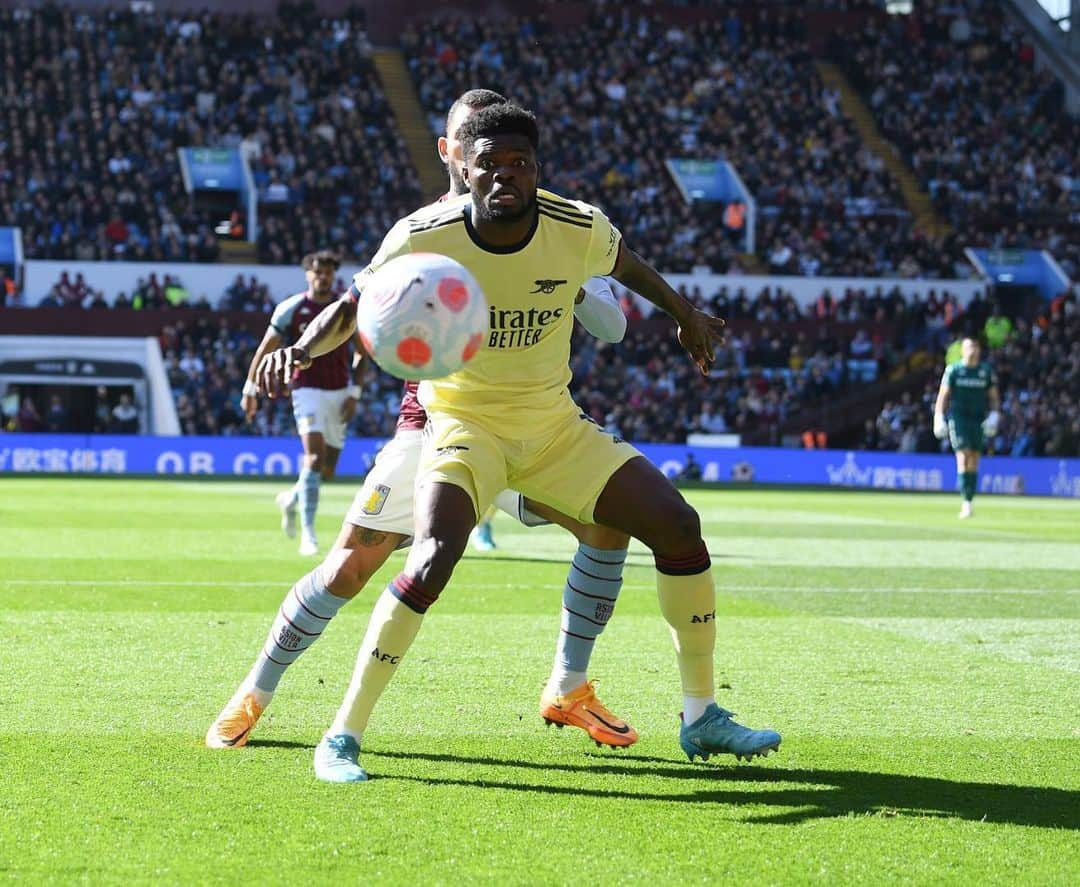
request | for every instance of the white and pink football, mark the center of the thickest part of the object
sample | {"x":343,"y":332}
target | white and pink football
{"x":422,"y":316}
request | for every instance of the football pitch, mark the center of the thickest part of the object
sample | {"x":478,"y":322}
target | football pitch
{"x":924,"y":672}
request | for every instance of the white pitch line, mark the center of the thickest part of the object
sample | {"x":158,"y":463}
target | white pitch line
{"x":782,"y":589}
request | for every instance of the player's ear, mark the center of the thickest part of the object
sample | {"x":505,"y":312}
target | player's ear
{"x":444,"y":150}
{"x":539,"y":170}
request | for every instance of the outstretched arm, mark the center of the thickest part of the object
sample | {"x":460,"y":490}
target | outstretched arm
{"x":699,"y":333}
{"x":249,"y":401}
{"x":329,"y":329}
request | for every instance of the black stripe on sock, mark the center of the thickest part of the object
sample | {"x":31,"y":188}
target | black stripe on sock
{"x":595,"y":597}
{"x":581,"y":616}
{"x":595,"y":560}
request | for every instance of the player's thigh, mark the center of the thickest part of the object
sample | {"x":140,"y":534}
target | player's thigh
{"x":357,"y":555}
{"x":308,"y":415}
{"x":465,"y":455}
{"x":572,"y":467}
{"x":593,"y":535}
{"x":385,"y":501}
{"x":332,"y":424}
{"x":965,"y":436}
{"x":639,"y":500}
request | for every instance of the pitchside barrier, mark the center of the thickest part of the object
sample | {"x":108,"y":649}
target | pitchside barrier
{"x":105,"y":454}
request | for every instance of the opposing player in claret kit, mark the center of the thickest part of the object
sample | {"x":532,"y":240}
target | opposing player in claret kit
{"x":324,"y":395}
{"x":969,"y":397}
{"x":507,"y":420}
{"x":381,"y":521}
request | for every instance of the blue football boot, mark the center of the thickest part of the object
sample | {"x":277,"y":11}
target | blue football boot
{"x":716,"y":733}
{"x":337,"y":759}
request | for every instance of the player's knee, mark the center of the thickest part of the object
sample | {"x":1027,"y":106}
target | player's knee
{"x":678,"y":530}
{"x":431,"y":563}
{"x":314,"y":461}
{"x":344,"y":575}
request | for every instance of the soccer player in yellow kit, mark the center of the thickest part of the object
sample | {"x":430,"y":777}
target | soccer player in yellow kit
{"x":507,"y":420}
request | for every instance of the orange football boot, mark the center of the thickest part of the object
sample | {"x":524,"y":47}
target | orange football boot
{"x":581,"y":708}
{"x":234,"y":725}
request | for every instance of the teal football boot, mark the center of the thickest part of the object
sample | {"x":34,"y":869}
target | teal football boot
{"x":715,"y":732}
{"x":337,"y":759}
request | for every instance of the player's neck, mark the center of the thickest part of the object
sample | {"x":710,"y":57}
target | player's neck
{"x":323,"y":299}
{"x":501,"y":235}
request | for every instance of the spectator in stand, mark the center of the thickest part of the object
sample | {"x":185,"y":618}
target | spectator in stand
{"x":29,"y":418}
{"x":825,"y":203}
{"x":691,"y":470}
{"x":998,"y":328}
{"x":955,"y":87}
{"x":56,"y":417}
{"x":102,"y":411}
{"x":125,"y":416}
{"x":98,"y":102}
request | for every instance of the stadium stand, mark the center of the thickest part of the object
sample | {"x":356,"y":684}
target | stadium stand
{"x":92,"y":173}
{"x":956,"y":89}
{"x":745,"y":87}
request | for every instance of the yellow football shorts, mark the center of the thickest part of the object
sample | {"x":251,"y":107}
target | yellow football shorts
{"x":566,"y":469}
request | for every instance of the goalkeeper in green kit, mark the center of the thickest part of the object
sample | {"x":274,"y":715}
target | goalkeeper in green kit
{"x":969,"y":395}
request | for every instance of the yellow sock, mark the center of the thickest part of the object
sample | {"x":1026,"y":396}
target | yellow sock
{"x":389,"y":635}
{"x":688,"y":604}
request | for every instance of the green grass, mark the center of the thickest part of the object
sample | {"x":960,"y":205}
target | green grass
{"x":924,"y":673}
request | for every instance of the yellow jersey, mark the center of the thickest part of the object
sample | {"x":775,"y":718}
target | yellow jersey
{"x":517,"y":383}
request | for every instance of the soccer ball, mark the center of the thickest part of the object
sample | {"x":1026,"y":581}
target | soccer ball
{"x":422,"y":316}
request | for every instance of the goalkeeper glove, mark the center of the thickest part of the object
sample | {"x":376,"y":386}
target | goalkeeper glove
{"x":991,"y":422}
{"x":941,"y":427}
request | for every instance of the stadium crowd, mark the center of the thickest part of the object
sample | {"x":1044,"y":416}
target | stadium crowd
{"x":626,"y":92}
{"x":956,"y":88}
{"x":72,"y":290}
{"x":96,"y":105}
{"x":774,"y":364}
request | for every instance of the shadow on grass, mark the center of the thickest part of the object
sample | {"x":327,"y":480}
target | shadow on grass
{"x":279,"y":743}
{"x":633,"y":559}
{"x":814,"y":794}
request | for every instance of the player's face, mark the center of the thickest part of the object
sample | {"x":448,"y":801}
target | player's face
{"x":969,"y":351}
{"x":321,"y":279}
{"x":450,"y":151}
{"x":502,"y":173}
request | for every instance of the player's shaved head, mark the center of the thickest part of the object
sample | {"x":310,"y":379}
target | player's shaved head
{"x":467,"y":103}
{"x":471,"y":100}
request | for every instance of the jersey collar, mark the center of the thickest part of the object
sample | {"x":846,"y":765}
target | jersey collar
{"x":499,"y":250}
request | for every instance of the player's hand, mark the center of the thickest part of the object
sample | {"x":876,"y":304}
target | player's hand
{"x":941,"y":427}
{"x":699,"y":333}
{"x":276,"y":369}
{"x":249,"y":403}
{"x":348,"y":409}
{"x":991,"y":422}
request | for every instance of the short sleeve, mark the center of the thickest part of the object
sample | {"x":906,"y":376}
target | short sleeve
{"x":282,"y":316}
{"x":603,"y":246}
{"x":395,"y":243}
